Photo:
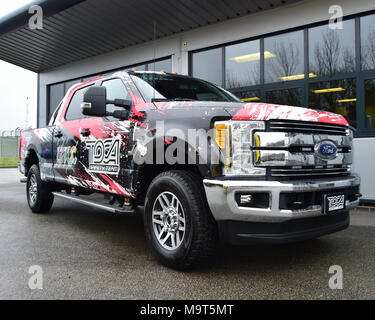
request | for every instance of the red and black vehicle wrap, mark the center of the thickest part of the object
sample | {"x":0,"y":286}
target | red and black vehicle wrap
{"x":64,"y":149}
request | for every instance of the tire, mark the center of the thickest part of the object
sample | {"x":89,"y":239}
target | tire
{"x":39,"y":196}
{"x":185,"y":226}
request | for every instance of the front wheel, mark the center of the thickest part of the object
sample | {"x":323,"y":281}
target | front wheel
{"x":39,"y":196}
{"x":179,"y":226}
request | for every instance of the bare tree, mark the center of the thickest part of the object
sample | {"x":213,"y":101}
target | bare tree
{"x":327,"y":54}
{"x":368,"y":51}
{"x":250,"y":77}
{"x":330,"y":57}
{"x":287,"y":59}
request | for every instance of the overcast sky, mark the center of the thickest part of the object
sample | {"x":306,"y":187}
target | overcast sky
{"x":16,"y":85}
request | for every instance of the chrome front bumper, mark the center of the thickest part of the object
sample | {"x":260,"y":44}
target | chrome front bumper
{"x":221,"y":198}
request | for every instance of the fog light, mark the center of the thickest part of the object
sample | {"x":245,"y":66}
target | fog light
{"x":253,"y":200}
{"x":246,"y":198}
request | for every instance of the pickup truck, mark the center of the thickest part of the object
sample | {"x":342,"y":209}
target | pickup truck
{"x":204,"y":165}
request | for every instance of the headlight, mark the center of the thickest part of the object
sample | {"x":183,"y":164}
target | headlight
{"x":235,"y":139}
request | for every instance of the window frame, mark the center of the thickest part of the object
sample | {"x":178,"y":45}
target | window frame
{"x":53,"y":119}
{"x":126,"y":88}
{"x":358,"y":74}
{"x":71,"y":99}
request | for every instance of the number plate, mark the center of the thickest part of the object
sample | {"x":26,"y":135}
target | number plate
{"x":334,"y":202}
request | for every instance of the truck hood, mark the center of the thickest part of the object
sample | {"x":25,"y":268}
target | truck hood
{"x":256,"y":111}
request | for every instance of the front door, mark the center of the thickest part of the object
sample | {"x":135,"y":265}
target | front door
{"x":92,"y":151}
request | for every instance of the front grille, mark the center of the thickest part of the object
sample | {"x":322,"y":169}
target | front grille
{"x":309,"y":171}
{"x":307,"y":127}
{"x":287,"y":149}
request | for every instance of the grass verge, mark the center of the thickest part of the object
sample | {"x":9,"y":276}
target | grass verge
{"x":8,"y":162}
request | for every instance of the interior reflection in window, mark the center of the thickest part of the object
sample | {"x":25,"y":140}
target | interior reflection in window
{"x":332,"y":51}
{"x":283,"y":57}
{"x":242,"y":62}
{"x":370,"y":103}
{"x":290,"y":97}
{"x":248,"y":95}
{"x":368,"y":42}
{"x":207,"y":65}
{"x":335,"y":96}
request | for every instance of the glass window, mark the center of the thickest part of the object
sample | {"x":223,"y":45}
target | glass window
{"x":208,"y":65}
{"x":290,"y":97}
{"x":370,"y":103}
{"x":368,"y":42}
{"x":74,"y":110}
{"x":141,"y":67}
{"x":242,"y":64}
{"x":332,"y":51}
{"x":165,"y":65}
{"x":248,"y":95}
{"x":283,"y":57}
{"x":335,"y":96}
{"x":56,"y":94}
{"x":90,"y":77}
{"x":115,"y":90}
{"x":70,"y":84}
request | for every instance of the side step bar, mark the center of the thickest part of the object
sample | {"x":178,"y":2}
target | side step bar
{"x":106,"y":207}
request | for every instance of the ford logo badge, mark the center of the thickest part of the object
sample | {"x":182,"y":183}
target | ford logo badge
{"x":326,"y":149}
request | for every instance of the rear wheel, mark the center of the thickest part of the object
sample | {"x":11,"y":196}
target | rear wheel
{"x":39,"y":196}
{"x":179,"y":226}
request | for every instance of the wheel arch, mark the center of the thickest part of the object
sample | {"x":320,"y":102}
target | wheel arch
{"x":32,"y":157}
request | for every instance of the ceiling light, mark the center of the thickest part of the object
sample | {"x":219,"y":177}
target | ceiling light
{"x":252,"y":57}
{"x":347,"y":100}
{"x":329,"y":90}
{"x":250,"y":99}
{"x":297,"y":76}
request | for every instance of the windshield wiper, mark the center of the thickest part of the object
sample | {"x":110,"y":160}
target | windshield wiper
{"x":172,"y":99}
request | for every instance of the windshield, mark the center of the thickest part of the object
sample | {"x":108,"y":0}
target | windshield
{"x":160,"y":86}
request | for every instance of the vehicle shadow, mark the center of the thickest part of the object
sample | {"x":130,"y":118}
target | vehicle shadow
{"x":127,"y":232}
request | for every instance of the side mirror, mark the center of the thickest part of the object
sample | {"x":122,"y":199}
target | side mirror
{"x":95,"y":104}
{"x":95,"y":101}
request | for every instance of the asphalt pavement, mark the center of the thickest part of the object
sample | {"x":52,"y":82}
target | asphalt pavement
{"x":85,"y":253}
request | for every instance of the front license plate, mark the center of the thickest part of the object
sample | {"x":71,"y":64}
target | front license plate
{"x":334,"y":202}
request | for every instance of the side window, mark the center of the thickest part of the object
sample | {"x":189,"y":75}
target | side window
{"x":74,"y":110}
{"x":115,"y":90}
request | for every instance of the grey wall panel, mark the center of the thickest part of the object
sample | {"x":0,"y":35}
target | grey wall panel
{"x":364,"y":159}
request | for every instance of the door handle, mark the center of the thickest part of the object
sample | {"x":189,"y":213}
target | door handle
{"x":58,"y":134}
{"x":85,"y":132}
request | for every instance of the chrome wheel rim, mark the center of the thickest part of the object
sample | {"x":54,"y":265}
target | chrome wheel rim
{"x":168,"y":221}
{"x":33,"y":187}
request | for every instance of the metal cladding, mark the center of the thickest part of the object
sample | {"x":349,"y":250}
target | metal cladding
{"x":75,"y":30}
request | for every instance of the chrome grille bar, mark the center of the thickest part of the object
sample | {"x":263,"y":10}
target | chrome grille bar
{"x":292,"y":172}
{"x":302,"y":126}
{"x":279,"y":158}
